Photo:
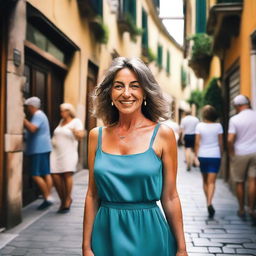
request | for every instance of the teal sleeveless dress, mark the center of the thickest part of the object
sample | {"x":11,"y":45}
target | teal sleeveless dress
{"x":129,"y":222}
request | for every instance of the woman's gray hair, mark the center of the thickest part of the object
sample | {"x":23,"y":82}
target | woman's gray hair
{"x":157,"y":107}
{"x":70,"y":108}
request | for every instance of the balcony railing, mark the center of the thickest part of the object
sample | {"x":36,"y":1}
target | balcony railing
{"x":127,"y":18}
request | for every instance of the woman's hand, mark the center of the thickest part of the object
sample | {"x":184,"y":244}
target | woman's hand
{"x":88,"y":252}
{"x":79,"y":134}
{"x":196,"y":162}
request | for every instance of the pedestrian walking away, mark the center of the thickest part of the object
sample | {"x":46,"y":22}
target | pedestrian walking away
{"x":208,"y":150}
{"x":38,"y":148}
{"x":242,"y":150}
{"x":64,"y":156}
{"x":132,"y":164}
{"x":175,"y":127}
{"x":188,"y":125}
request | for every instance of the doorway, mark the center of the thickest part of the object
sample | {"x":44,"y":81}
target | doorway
{"x":44,"y":80}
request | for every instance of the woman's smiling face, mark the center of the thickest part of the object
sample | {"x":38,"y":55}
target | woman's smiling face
{"x":127,"y":93}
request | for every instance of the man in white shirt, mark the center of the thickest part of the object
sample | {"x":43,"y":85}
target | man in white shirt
{"x":188,"y":126}
{"x":242,"y":150}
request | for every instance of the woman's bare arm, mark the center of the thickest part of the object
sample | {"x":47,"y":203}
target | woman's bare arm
{"x":220,"y":139}
{"x":92,"y":199}
{"x":170,"y":198}
{"x":197,"y":144}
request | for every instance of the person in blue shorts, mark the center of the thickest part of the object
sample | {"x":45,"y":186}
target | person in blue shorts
{"x":38,"y":148}
{"x":208,"y":148}
{"x":188,"y":125}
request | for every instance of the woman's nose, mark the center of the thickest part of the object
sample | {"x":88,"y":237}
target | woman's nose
{"x":127,"y":92}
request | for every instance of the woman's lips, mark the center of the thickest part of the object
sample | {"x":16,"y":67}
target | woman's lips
{"x":127,"y":102}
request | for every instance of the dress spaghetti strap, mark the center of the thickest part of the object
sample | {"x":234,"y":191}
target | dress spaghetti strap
{"x":99,"y":138}
{"x":154,"y":135}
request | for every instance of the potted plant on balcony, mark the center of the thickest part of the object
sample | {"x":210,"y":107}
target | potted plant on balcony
{"x":201,"y":54}
{"x":99,"y":29}
{"x":148,"y":55}
{"x":126,"y":23}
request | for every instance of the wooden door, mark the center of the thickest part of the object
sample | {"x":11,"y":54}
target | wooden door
{"x":45,"y":81}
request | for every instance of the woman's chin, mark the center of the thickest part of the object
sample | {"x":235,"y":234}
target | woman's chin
{"x":127,"y":111}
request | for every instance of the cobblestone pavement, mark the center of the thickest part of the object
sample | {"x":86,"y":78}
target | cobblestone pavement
{"x":55,"y":234}
{"x":226,"y":234}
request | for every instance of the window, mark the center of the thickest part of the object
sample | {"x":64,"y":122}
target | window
{"x":160,"y":56}
{"x":200,"y":16}
{"x":156,"y":3}
{"x":145,"y":29}
{"x":97,"y":7}
{"x":40,"y":40}
{"x":168,"y":60}
{"x":129,"y":7}
{"x":183,"y":75}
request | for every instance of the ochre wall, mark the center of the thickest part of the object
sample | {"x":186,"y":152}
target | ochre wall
{"x":241,"y":46}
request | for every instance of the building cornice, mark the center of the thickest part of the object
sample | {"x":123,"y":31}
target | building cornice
{"x":223,"y":23}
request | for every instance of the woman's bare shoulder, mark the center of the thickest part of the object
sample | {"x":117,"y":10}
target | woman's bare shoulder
{"x":166,"y":132}
{"x":93,"y":133}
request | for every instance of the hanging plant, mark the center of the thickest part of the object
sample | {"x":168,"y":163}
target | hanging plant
{"x":100,"y":30}
{"x":202,"y":46}
{"x":201,"y":54}
{"x":126,"y":23}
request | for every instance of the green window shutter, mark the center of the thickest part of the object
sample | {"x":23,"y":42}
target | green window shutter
{"x":160,"y":56}
{"x":183,"y":74}
{"x":97,"y":6}
{"x":133,"y":10}
{"x":126,"y":6}
{"x":129,"y":8}
{"x":145,"y":29}
{"x":168,"y":63}
{"x":100,"y":7}
{"x":200,"y":16}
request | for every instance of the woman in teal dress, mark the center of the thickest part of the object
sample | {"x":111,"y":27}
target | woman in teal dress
{"x":132,"y":165}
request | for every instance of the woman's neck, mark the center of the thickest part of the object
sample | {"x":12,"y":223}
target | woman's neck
{"x":209,"y":122}
{"x":67,"y":119}
{"x":131,"y":121}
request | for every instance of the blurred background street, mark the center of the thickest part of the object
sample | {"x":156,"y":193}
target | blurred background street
{"x":61,"y":234}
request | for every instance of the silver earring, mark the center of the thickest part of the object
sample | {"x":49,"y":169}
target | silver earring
{"x":112,"y":103}
{"x":145,"y":102}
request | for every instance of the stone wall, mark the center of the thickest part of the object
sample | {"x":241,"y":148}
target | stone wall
{"x":15,"y":113}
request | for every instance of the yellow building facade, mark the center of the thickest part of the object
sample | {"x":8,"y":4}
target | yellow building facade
{"x":196,"y":13}
{"x":241,"y":49}
{"x":59,"y":52}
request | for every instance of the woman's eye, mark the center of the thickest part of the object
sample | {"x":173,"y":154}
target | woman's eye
{"x":118,"y":86}
{"x":135,"y":86}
